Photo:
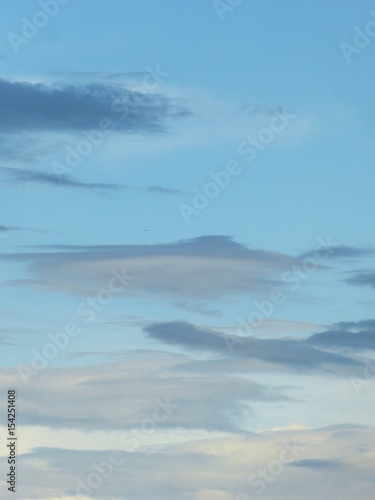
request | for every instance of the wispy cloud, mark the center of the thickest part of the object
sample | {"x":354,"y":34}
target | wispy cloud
{"x":61,"y":107}
{"x":234,"y":467}
{"x":314,"y":463}
{"x":22,"y":177}
{"x":163,"y":190}
{"x":16,"y":176}
{"x":362,"y":278}
{"x":198,"y":308}
{"x":357,"y":335}
{"x":343,"y":252}
{"x":295,"y":354}
{"x":6,"y":229}
{"x":8,"y":341}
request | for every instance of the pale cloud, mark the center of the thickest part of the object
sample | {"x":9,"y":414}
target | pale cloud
{"x":79,"y":398}
{"x":206,"y":267}
{"x":339,"y":460}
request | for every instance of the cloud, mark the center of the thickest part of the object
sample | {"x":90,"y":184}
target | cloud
{"x":200,"y":268}
{"x":295,"y":354}
{"x":355,"y":335}
{"x":25,"y":147}
{"x":318,"y":464}
{"x":362,"y":278}
{"x":100,"y":75}
{"x":8,"y":341}
{"x":33,"y":113}
{"x":79,"y":397}
{"x":38,"y":107}
{"x":198,"y":308}
{"x":18,"y":176}
{"x":356,"y":325}
{"x":342,"y":252}
{"x":226,"y":468}
{"x":163,"y":190}
{"x":6,"y":229}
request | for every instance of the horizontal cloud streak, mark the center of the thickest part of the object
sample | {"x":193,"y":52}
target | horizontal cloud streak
{"x":162,"y":190}
{"x":16,"y":176}
{"x":343,"y":252}
{"x":362,"y":278}
{"x":294,"y":354}
{"x":203,"y":267}
{"x":318,"y":464}
{"x":6,"y":229}
{"x":360,"y":335}
{"x":38,"y":107}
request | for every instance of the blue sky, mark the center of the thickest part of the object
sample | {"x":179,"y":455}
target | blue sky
{"x":187,"y":193}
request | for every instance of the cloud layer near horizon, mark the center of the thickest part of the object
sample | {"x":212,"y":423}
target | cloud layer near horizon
{"x":228,"y":468}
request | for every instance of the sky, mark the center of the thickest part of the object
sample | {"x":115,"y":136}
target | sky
{"x":187,"y":252}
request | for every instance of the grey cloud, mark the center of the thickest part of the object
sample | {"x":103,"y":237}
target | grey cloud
{"x":318,"y":464}
{"x":356,"y":325}
{"x":294,"y":354}
{"x":113,"y":385}
{"x":211,"y":246}
{"x":342,"y":252}
{"x":163,"y":190}
{"x":203,"y":267}
{"x":38,"y":107}
{"x":18,"y":176}
{"x":357,"y":335}
{"x":6,"y":229}
{"x":362,"y":278}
